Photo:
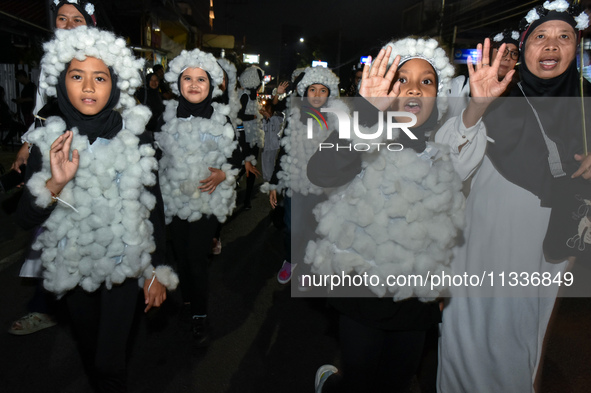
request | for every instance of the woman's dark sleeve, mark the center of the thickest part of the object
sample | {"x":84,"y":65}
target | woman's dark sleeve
{"x":245,"y":148}
{"x":242,"y":112}
{"x":238,"y":154}
{"x":28,"y":214}
{"x":157,"y":217}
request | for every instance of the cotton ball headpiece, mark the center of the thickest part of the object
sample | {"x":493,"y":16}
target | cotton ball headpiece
{"x":319,"y":75}
{"x":230,"y":69}
{"x":553,"y":10}
{"x":506,"y":36}
{"x":251,"y":77}
{"x":84,"y":7}
{"x":83,"y":42}
{"x":195,"y":59}
{"x":430,"y":51}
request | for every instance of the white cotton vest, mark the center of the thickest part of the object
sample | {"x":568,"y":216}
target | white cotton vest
{"x":190,"y":147}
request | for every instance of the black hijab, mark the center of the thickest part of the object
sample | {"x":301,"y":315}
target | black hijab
{"x":519,"y":152}
{"x":201,"y":109}
{"x":105,"y":124}
{"x":90,"y":20}
{"x":153,"y":99}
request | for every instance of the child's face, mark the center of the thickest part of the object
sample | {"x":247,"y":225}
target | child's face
{"x":418,"y":89}
{"x":194,"y":85}
{"x":68,"y":17}
{"x":317,"y":95}
{"x":88,"y":84}
{"x":154,"y":82}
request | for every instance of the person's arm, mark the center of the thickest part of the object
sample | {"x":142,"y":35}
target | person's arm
{"x":485,"y":86}
{"x":242,"y":112}
{"x":467,"y":145}
{"x":40,"y":195}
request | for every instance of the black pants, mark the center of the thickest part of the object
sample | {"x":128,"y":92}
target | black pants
{"x":375,"y":360}
{"x":191,"y":243}
{"x":250,"y":179}
{"x":101,"y":322}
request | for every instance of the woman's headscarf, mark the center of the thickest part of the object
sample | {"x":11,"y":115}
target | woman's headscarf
{"x":519,"y":151}
{"x":86,"y":8}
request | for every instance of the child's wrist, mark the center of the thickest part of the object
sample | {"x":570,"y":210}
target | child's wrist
{"x":54,"y":188}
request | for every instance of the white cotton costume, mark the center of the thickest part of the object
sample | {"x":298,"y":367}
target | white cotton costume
{"x":100,"y":231}
{"x":401,"y":214}
{"x":253,"y":129}
{"x":191,"y":146}
{"x":299,"y":147}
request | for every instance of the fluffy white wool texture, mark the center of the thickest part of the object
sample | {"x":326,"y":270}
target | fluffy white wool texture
{"x":582,"y":21}
{"x":194,"y":59}
{"x":532,"y":16}
{"x":298,"y":149}
{"x":320,"y":75}
{"x":190,"y":147}
{"x":83,"y":42}
{"x":165,"y":275}
{"x":249,"y":79}
{"x":234,"y":102}
{"x":558,"y":5}
{"x":398,"y":216}
{"x":429,"y":50}
{"x":110,"y":237}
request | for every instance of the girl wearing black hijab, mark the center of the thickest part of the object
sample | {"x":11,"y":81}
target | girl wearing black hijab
{"x":492,"y":338}
{"x":197,"y":173}
{"x":149,"y":95}
{"x":89,"y":185}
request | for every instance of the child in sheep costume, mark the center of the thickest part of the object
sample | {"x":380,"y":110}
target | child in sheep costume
{"x":41,"y":306}
{"x":250,"y":130}
{"x":230,"y":94}
{"x":103,"y":225}
{"x":398,"y":214}
{"x":198,"y":169}
{"x":318,"y":88}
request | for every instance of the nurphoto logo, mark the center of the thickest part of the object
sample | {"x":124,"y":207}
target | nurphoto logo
{"x":345,"y":126}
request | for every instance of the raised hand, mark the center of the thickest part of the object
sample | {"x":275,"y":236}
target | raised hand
{"x":376,"y":83}
{"x":484,"y":76}
{"x":485,"y":86}
{"x":282,"y":87}
{"x":210,"y":184}
{"x":62,"y":169}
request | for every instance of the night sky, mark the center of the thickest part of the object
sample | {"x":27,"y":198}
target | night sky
{"x":363,"y":28}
